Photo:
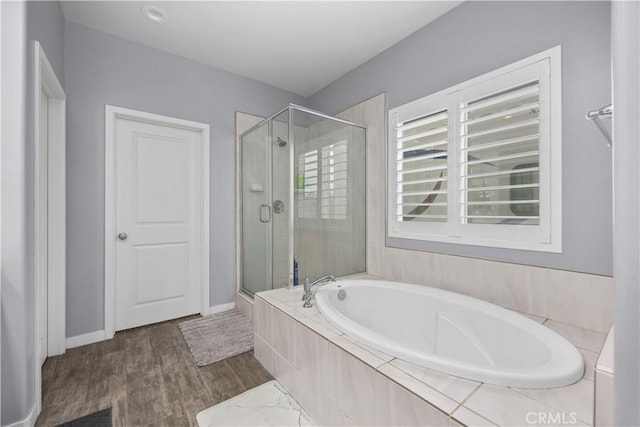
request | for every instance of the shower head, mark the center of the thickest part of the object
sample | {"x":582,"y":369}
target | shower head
{"x":281,"y":142}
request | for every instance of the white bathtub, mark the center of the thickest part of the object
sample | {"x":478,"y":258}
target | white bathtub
{"x":451,"y":333}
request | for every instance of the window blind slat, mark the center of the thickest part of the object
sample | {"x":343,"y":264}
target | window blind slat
{"x":427,"y":156}
{"x":442,"y":142}
{"x":501,"y":173}
{"x":502,"y":143}
{"x":422,"y":181}
{"x":500,"y":114}
{"x":514,"y":126}
{"x":500,"y":187}
{"x":421,"y":193}
{"x":431,"y":118}
{"x":429,"y":169}
{"x":502,"y":202}
{"x":425,"y":134}
{"x":423,"y":204}
{"x":509,"y":96}
{"x":423,"y":216}
{"x":501,"y":158}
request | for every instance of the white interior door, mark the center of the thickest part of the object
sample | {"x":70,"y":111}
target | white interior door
{"x":42,"y":240}
{"x":159,"y":179}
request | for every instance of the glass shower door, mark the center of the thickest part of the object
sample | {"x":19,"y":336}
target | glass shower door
{"x":282,"y":224}
{"x":256,"y":210}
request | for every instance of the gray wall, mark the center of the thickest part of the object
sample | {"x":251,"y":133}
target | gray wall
{"x":626,"y":90}
{"x":45,"y":23}
{"x":477,"y":37}
{"x":103,"y":69}
{"x":22,"y":23}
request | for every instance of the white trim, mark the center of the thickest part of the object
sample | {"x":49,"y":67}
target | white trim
{"x":46,"y":80}
{"x":53,"y":244}
{"x":111,"y":114}
{"x":220,"y":308}
{"x":84,"y":339}
{"x":30,"y":421}
{"x":1,"y":99}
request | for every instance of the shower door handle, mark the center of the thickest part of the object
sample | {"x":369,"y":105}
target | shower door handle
{"x":265,"y":213}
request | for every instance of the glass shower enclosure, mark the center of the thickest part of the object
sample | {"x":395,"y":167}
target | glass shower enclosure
{"x":303,"y":201}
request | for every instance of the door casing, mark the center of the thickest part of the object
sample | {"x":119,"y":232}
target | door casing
{"x":53,"y":244}
{"x":112,"y":114}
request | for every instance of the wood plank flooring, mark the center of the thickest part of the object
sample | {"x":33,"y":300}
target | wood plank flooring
{"x":147,"y":375}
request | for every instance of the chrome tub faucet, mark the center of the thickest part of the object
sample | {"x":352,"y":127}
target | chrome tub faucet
{"x":308,"y":288}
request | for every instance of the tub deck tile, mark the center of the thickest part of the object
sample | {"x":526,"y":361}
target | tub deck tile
{"x":589,"y":358}
{"x":419,"y":388}
{"x":538,"y":319}
{"x":319,"y":318}
{"x":456,"y":388}
{"x":319,"y":328}
{"x":379,"y":354}
{"x":580,"y":337}
{"x":507,"y":407}
{"x":356,"y":350}
{"x":576,"y":398}
{"x":466,"y":417}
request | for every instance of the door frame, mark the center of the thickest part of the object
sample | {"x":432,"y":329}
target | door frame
{"x":112,"y":114}
{"x":54,"y":242}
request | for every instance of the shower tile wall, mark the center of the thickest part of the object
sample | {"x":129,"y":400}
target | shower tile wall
{"x":579,"y":299}
{"x":336,"y":247}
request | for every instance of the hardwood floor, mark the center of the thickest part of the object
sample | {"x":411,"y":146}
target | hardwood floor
{"x":147,"y":375}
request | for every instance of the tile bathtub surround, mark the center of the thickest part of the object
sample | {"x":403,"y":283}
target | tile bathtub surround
{"x":245,"y":305}
{"x":340,"y":381}
{"x":578,"y":299}
{"x":604,"y":374}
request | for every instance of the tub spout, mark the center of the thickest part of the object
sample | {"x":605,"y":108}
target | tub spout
{"x":308,"y":288}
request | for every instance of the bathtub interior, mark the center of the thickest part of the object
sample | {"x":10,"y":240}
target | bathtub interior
{"x":424,"y":325}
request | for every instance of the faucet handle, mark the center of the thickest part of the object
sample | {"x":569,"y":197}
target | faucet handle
{"x":306,"y":284}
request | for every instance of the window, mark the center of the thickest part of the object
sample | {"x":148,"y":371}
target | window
{"x":480,"y":163}
{"x":322,"y":182}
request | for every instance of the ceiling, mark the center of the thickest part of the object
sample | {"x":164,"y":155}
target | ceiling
{"x":299,"y":46}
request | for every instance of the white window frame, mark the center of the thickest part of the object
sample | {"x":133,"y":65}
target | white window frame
{"x":545,"y":237}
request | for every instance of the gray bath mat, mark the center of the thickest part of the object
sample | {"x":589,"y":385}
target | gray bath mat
{"x":218,"y":336}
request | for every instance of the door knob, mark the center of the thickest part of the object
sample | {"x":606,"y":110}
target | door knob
{"x":122,"y":236}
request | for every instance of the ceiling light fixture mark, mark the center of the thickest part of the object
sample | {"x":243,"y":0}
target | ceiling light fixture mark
{"x":155,"y":14}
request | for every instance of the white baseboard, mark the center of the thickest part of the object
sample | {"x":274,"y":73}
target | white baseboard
{"x":90,"y":338}
{"x":30,"y":421}
{"x":220,"y":308}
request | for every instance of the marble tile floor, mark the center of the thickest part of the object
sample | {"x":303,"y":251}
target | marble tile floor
{"x":147,"y":375}
{"x":266,"y":405}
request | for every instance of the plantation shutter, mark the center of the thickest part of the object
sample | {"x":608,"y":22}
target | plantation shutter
{"x":472,"y":164}
{"x":421,"y":167}
{"x":499,"y":161}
